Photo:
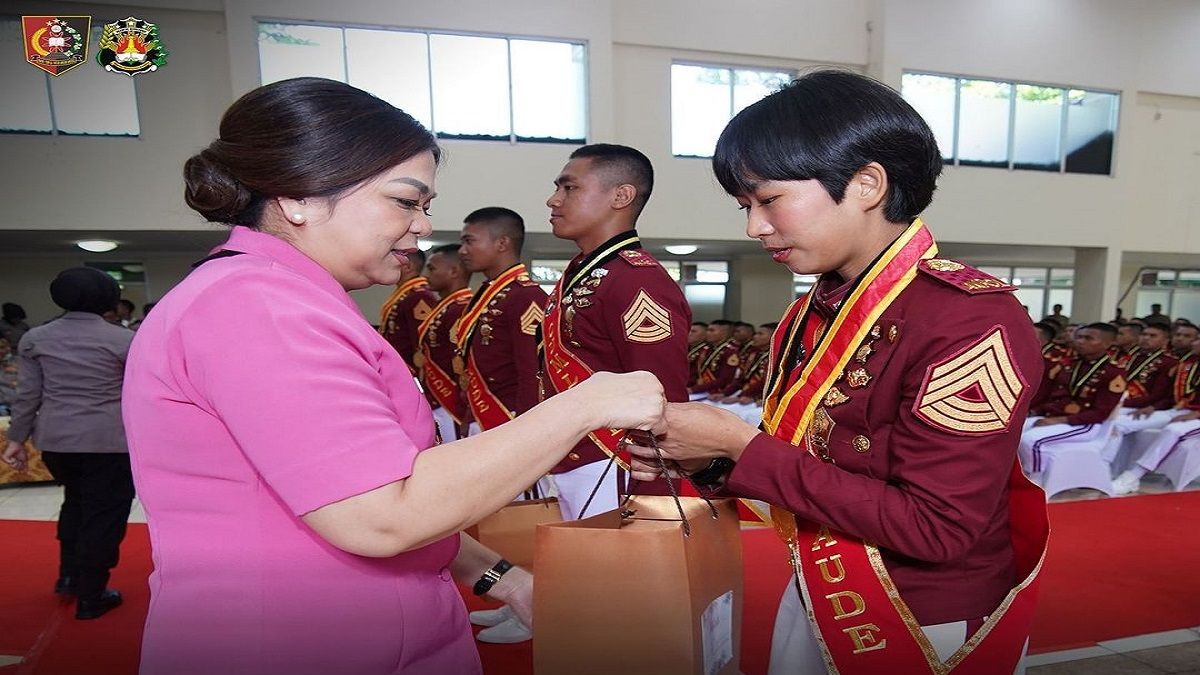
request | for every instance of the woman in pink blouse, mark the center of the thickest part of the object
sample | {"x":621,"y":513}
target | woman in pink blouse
{"x":300,"y":520}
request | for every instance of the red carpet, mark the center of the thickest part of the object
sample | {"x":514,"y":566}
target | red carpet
{"x":1117,"y":567}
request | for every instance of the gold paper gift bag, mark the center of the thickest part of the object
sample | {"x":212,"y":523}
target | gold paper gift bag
{"x":616,"y":594}
{"x":510,"y":531}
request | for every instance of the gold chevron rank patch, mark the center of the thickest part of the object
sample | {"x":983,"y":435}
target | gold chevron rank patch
{"x":531,"y":318}
{"x":646,"y":321}
{"x":973,"y":392}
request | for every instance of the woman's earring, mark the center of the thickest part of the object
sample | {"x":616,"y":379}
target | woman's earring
{"x":297,"y":218}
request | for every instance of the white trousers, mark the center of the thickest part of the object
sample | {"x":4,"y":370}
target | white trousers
{"x":794,"y":650}
{"x":445,"y":424}
{"x":1040,"y":444}
{"x":573,"y":488}
{"x":1166,"y":441}
{"x":1126,"y":424}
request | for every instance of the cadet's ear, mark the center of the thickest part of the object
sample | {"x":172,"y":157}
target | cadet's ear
{"x":868,"y":186}
{"x":624,"y":196}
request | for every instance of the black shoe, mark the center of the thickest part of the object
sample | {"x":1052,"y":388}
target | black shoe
{"x":96,"y":607}
{"x":66,"y":586}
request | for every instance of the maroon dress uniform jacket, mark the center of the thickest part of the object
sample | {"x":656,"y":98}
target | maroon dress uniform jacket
{"x":400,"y":325}
{"x":632,"y":317}
{"x":1151,"y":380}
{"x":696,"y":356}
{"x":504,"y":346}
{"x":1093,"y":398}
{"x":751,"y":372}
{"x":933,"y":498}
{"x":441,"y":347}
{"x":721,"y":364}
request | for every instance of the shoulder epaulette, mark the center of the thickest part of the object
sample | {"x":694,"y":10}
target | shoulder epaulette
{"x":638,"y":257}
{"x":525,"y":280}
{"x":963,"y":277}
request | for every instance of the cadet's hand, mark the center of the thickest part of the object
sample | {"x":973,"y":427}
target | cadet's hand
{"x":695,"y":433}
{"x":1143,"y":412}
{"x":16,"y":456}
{"x":622,"y":401}
{"x":1050,"y":421}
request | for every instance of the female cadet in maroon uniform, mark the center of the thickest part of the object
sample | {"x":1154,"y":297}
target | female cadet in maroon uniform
{"x":894,"y":403}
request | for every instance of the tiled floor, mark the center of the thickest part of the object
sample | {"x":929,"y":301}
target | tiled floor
{"x":1173,"y":652}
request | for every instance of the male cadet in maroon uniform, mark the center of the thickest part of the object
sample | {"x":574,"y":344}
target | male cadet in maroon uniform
{"x":406,"y":308}
{"x":742,"y":336}
{"x":448,"y":278}
{"x":744,"y":396}
{"x":1127,"y":344}
{"x":697,"y":349}
{"x":614,"y":309}
{"x":720,"y":365}
{"x":1150,"y":377}
{"x":497,"y":357}
{"x":1074,"y":402}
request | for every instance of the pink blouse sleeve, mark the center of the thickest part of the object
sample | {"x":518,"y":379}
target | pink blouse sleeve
{"x":296,"y":383}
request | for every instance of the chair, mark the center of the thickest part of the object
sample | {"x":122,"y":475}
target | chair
{"x":1080,"y":465}
{"x":1182,"y":465}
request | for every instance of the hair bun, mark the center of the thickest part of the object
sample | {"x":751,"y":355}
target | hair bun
{"x":213,"y":191}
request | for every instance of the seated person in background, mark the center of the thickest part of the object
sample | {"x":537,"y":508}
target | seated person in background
{"x":1181,"y":423}
{"x":698,"y":349}
{"x":1052,"y":353}
{"x":8,"y":377}
{"x":1126,"y":345}
{"x":746,"y":398}
{"x":1058,"y":316}
{"x":1150,"y":375}
{"x":1074,"y":401}
{"x":719,"y":367}
{"x":743,"y":333}
{"x":12,"y":323}
{"x":1182,"y":337}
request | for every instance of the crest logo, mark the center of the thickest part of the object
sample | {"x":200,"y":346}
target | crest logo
{"x":56,"y":44}
{"x":131,"y":46}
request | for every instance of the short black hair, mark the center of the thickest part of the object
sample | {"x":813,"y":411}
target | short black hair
{"x":448,"y":250}
{"x":419,"y":256}
{"x":1158,"y":325}
{"x":743,"y":324}
{"x":626,"y":165}
{"x":825,"y":126}
{"x":1102,"y":327}
{"x":700,"y":323}
{"x":11,"y":311}
{"x":502,"y":222}
{"x":1135,"y":327}
{"x":721,"y":322}
{"x":770,"y":325}
{"x":1048,"y":329}
{"x":128,"y":304}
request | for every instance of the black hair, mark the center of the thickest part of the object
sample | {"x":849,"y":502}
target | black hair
{"x":418,"y":256}
{"x":1135,"y":327}
{"x":12,"y":312}
{"x":625,"y":165}
{"x":825,"y":126}
{"x":1048,"y":329}
{"x":448,"y":250}
{"x":1102,"y":327}
{"x":127,"y":304}
{"x":298,"y":138}
{"x":85,"y":289}
{"x":501,"y":222}
{"x":700,"y":323}
{"x":1158,"y":325}
{"x":147,"y":307}
{"x":770,"y":325}
{"x":721,"y":322}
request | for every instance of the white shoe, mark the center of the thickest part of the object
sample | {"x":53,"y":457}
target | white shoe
{"x":491,"y":617}
{"x":505,"y":633}
{"x":1127,"y":483}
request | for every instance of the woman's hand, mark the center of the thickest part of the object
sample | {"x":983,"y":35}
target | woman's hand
{"x":16,"y":456}
{"x":695,"y":434}
{"x":515,"y":589}
{"x":621,"y":401}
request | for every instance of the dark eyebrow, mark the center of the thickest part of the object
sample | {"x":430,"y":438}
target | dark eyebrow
{"x":564,"y":178}
{"x":415,"y":183}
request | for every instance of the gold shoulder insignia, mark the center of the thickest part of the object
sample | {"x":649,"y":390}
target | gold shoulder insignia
{"x":531,"y":318}
{"x":1118,"y":385}
{"x":421,"y":310}
{"x":963,"y":277}
{"x":733,"y":360}
{"x":645,"y":320}
{"x":638,"y":257}
{"x":974,"y":391}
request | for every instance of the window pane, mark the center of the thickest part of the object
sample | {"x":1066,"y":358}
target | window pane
{"x":1091,"y":127}
{"x":286,"y":51}
{"x":1186,"y":305}
{"x":1189,"y":278}
{"x":549,"y":89}
{"x":470,"y":86}
{"x":933,"y":97}
{"x":750,"y":86}
{"x":1038,"y":127}
{"x":716,"y":272}
{"x":672,"y":268}
{"x":803,"y":283}
{"x":1029,"y":276}
{"x":1061,"y":296}
{"x":1147,"y":298}
{"x":547,"y":271}
{"x":1032,"y":299}
{"x":1062,"y":276}
{"x":707,"y":300}
{"x":1002,"y":273}
{"x":393,"y":65}
{"x":26,"y":105}
{"x":93,"y":101}
{"x":700,"y":108}
{"x":983,"y":123}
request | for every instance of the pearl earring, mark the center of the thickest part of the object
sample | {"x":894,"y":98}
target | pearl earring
{"x":298,"y":217}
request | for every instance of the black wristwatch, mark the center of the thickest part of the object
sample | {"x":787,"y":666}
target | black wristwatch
{"x":712,"y":475}
{"x":491,"y":576}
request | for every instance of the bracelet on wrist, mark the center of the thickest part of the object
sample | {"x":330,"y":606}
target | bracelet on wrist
{"x":491,"y":576}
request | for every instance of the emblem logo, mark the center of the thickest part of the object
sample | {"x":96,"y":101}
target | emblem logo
{"x":531,"y":318}
{"x":56,"y":44}
{"x":131,"y":46}
{"x":973,"y":392}
{"x":646,"y":321}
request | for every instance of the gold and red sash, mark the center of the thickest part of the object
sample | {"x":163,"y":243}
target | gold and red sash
{"x":562,"y":367}
{"x":858,"y":616}
{"x":484,"y":405}
{"x":1185,"y":381}
{"x":397,"y":295}
{"x":707,"y":371}
{"x":441,"y":385}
